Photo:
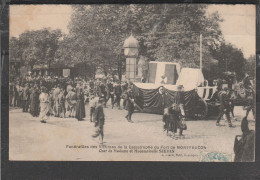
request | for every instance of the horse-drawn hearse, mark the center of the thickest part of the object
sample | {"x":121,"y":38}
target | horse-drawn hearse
{"x":157,"y":93}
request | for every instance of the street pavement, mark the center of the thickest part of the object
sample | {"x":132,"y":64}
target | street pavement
{"x":31,"y":140}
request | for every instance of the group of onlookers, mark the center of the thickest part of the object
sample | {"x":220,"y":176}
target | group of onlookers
{"x":68,"y":98}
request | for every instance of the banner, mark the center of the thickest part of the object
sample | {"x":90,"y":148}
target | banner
{"x":66,"y":72}
{"x":158,"y":70}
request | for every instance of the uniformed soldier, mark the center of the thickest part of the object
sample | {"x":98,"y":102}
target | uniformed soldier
{"x":224,"y":106}
{"x":117,"y":91}
{"x":130,"y":104}
{"x":110,"y":92}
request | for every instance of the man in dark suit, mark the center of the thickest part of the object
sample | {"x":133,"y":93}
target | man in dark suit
{"x":224,"y":106}
{"x":130,"y":104}
{"x":25,"y":97}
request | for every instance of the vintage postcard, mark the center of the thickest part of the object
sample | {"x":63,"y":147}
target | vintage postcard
{"x":133,"y":82}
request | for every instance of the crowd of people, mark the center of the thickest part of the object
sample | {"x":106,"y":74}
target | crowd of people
{"x":64,"y":97}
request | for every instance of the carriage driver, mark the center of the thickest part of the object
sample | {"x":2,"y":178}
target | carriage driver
{"x":224,"y":106}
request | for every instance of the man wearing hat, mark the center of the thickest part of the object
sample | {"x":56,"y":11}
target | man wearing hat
{"x":224,"y":105}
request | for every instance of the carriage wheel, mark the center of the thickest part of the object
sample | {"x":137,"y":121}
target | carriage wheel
{"x":201,"y":110}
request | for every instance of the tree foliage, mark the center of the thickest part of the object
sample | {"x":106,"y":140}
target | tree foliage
{"x":36,"y":47}
{"x":230,"y":59}
{"x":250,"y":66}
{"x":166,"y":32}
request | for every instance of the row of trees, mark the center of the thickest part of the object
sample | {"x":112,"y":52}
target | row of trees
{"x":36,"y":47}
{"x":166,"y":32}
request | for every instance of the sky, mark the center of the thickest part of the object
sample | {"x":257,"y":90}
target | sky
{"x":238,"y":27}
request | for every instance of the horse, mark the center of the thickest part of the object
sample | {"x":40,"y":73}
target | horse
{"x":241,"y":96}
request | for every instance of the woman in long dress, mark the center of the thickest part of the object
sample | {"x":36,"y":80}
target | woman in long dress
{"x":35,"y":103}
{"x":44,"y":104}
{"x":80,"y":106}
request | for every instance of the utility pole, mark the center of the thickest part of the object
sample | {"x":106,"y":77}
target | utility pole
{"x":200,"y":51}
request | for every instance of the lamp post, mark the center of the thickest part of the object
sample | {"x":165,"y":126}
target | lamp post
{"x":131,"y":53}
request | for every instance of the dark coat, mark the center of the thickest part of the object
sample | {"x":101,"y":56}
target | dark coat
{"x":35,"y":102}
{"x":129,"y":104}
{"x":223,"y":100}
{"x":80,"y":105}
{"x":172,"y":120}
{"x":99,"y":116}
{"x":117,"y":90}
{"x":102,"y":89}
{"x":245,"y":147}
{"x":109,"y":87}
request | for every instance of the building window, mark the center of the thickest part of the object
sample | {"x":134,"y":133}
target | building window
{"x":131,"y":69}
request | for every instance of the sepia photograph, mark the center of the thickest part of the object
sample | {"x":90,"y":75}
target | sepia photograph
{"x":132,"y":82}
